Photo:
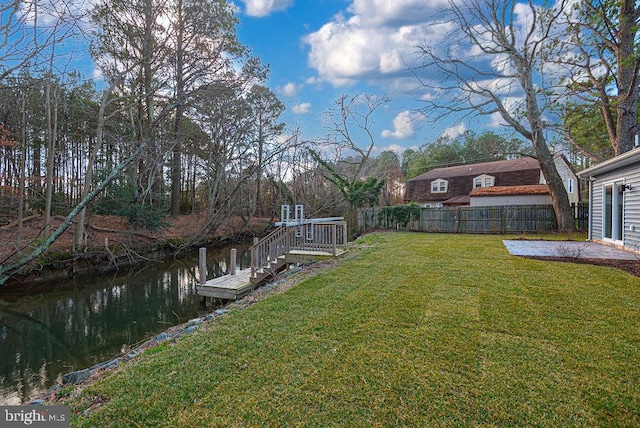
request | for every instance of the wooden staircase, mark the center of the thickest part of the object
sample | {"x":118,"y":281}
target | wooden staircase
{"x":296,"y":244}
{"x":289,"y":243}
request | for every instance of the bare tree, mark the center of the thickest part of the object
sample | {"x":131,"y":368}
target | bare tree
{"x":23,"y":36}
{"x":106,"y":100}
{"x":492,"y":63}
{"x":131,"y":47}
{"x":229,"y":155}
{"x":349,"y":127}
{"x":350,"y":134}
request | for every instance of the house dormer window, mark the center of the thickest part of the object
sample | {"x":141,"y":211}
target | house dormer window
{"x":439,"y":186}
{"x":484,"y":180}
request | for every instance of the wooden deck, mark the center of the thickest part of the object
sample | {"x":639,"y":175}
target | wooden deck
{"x":228,"y":287}
{"x":300,"y":242}
{"x":301,"y":256}
{"x":233,"y":287}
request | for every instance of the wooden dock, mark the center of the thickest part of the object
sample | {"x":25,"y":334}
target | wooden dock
{"x":228,"y":287}
{"x":288,"y":244}
{"x":233,"y":287}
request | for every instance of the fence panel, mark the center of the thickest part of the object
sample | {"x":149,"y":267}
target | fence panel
{"x":581,"y":214}
{"x":438,"y":220}
{"x":484,"y":220}
{"x":495,"y":219}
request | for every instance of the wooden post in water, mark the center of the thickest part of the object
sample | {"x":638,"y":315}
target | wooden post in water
{"x":202,"y":265}
{"x":253,"y":256}
{"x":232,"y":268}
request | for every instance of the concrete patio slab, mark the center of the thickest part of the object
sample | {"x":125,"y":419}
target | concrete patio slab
{"x":587,"y":250}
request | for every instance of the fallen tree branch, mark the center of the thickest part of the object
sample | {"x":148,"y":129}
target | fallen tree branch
{"x":14,"y":223}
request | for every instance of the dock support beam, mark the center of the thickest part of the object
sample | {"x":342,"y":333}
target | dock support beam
{"x":232,"y":267}
{"x":202,"y":270}
{"x":202,"y":265}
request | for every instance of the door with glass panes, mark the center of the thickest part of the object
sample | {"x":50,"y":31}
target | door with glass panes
{"x":613,"y":211}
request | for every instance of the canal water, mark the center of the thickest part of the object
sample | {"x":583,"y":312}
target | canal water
{"x":52,"y":329}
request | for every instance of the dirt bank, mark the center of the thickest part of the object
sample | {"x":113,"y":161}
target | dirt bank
{"x":111,"y":244}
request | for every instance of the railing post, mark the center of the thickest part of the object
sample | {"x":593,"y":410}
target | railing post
{"x":345,"y":236}
{"x":334,"y":238}
{"x":202,"y":265}
{"x":287,"y":239}
{"x":232,"y":262}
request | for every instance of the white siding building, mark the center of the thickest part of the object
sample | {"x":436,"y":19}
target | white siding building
{"x":614,"y":200}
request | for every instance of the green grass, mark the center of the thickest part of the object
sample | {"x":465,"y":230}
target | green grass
{"x":411,"y":330}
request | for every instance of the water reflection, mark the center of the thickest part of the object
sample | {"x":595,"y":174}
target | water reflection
{"x":49,"y":330}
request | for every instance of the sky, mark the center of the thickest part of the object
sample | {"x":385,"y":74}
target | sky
{"x":318,"y":50}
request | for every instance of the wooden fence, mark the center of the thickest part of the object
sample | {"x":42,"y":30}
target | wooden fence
{"x":498,"y":219}
{"x":581,"y":215}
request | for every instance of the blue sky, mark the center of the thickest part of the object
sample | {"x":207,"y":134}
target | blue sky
{"x":318,"y":50}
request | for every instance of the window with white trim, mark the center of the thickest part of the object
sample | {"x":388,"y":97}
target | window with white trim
{"x":570,"y":185}
{"x":439,"y":186}
{"x":484,"y":180}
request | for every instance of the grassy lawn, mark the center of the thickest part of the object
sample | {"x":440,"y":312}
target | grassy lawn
{"x":411,"y":330}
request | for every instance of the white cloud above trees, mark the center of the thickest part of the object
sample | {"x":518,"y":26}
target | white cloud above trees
{"x":290,"y":89}
{"x":404,"y":125}
{"x":455,"y":131}
{"x":302,"y":108}
{"x":377,"y":41}
{"x":260,"y":8}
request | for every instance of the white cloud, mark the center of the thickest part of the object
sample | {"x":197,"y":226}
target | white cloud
{"x":393,"y":148}
{"x":404,"y":125}
{"x":301,"y":108}
{"x":455,"y":131}
{"x":377,"y":41}
{"x":378,"y":12}
{"x":260,"y":8}
{"x":290,"y":89}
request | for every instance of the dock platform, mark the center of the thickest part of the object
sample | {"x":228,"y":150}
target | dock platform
{"x":233,"y":287}
{"x":228,"y":287}
{"x":301,"y":241}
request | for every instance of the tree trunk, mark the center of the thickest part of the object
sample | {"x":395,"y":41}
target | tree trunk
{"x":176,"y":174}
{"x":176,"y":161}
{"x":52,"y":123}
{"x":628,"y":90}
{"x":88,"y":178}
{"x":23,"y":167}
{"x":559,"y":198}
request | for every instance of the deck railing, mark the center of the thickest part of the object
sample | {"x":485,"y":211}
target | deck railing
{"x":268,"y":249}
{"x":321,"y":237}
{"x":326,"y":237}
